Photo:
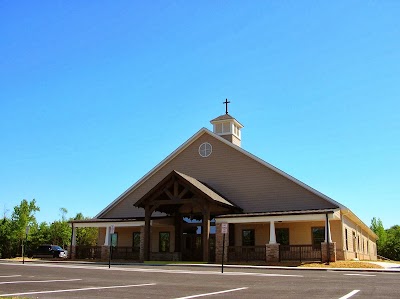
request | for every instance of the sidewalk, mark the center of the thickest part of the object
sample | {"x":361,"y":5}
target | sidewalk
{"x":394,"y":268}
{"x":387,"y":267}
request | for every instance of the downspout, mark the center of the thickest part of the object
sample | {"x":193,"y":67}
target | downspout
{"x":327,"y":239}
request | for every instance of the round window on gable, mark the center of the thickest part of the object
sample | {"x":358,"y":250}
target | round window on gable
{"x":205,"y":149}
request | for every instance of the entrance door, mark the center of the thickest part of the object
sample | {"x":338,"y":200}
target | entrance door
{"x":192,"y":249}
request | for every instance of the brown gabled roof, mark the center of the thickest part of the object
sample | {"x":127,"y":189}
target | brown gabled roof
{"x":223,"y":117}
{"x":194,"y":184}
{"x":206,"y":190}
{"x":190,"y":141}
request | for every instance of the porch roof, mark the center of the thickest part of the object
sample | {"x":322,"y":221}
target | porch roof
{"x":279,"y":213}
{"x":97,"y":220}
{"x":106,"y":223}
{"x":193,"y":185}
{"x":280,"y":216}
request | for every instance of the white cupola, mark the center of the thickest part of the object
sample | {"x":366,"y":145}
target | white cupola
{"x":228,"y":127}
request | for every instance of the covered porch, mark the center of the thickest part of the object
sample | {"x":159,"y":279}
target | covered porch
{"x":112,"y":233}
{"x":280,"y":236}
{"x":190,"y":206}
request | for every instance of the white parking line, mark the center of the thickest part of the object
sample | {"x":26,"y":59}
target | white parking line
{"x":152,"y":270}
{"x":35,"y":281}
{"x":7,"y":276}
{"x":77,"y":290}
{"x":350,"y":294}
{"x":214,"y":293}
{"x":355,"y":274}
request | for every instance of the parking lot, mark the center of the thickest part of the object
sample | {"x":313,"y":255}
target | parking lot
{"x":66,"y":280}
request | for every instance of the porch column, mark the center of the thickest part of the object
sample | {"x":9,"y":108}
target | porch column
{"x":107,"y":238}
{"x":272,"y":248}
{"x":178,"y":232}
{"x":105,"y":249}
{"x":72,"y":249}
{"x":328,"y":231}
{"x":146,"y":244}
{"x":206,"y":233}
{"x":141,"y":251}
{"x":272,"y":236}
{"x":73,"y":241}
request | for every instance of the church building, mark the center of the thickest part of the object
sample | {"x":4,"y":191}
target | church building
{"x":211,"y":194}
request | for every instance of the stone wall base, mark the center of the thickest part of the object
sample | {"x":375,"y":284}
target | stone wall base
{"x":272,"y":252}
{"x":105,"y":253}
{"x":324,"y":252}
{"x":219,"y":237}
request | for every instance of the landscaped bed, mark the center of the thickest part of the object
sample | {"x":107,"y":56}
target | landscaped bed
{"x":343,"y":264}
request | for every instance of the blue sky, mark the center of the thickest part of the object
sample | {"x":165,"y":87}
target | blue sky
{"x":94,"y":94}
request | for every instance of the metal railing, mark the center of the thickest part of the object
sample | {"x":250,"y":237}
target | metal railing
{"x":88,"y":252}
{"x":246,"y":253}
{"x":125,"y":253}
{"x":300,"y":253}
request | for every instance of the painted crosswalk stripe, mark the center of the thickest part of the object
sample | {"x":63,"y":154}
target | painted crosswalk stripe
{"x":77,"y":290}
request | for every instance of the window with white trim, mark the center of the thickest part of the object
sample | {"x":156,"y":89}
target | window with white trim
{"x":205,"y":149}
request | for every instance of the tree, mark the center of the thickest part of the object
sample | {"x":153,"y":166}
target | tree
{"x":39,"y":234}
{"x":5,"y":238}
{"x":60,"y":233}
{"x":85,"y":236}
{"x":392,"y":246}
{"x":22,"y":216}
{"x":379,"y":230}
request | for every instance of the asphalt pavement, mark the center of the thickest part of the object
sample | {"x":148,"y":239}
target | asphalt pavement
{"x":67,"y":280}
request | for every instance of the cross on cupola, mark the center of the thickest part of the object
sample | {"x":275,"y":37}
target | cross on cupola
{"x":226,"y":105}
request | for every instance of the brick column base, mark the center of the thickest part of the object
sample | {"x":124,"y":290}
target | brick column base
{"x":219,"y":237}
{"x":272,"y":252}
{"x":105,"y":253}
{"x":324,"y":252}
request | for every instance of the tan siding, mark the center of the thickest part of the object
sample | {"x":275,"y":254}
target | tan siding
{"x":125,"y":235}
{"x":261,"y":233}
{"x":336,"y":231}
{"x":102,"y":235}
{"x":155,"y":238}
{"x":244,"y":181}
{"x":359,"y":250}
{"x":299,"y":232}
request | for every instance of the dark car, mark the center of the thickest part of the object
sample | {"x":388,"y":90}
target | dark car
{"x":50,"y":251}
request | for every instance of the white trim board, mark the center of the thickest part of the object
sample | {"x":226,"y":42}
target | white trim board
{"x":107,"y":224}
{"x":283,"y":218}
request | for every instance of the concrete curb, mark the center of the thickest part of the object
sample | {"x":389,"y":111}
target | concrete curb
{"x":116,"y":263}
